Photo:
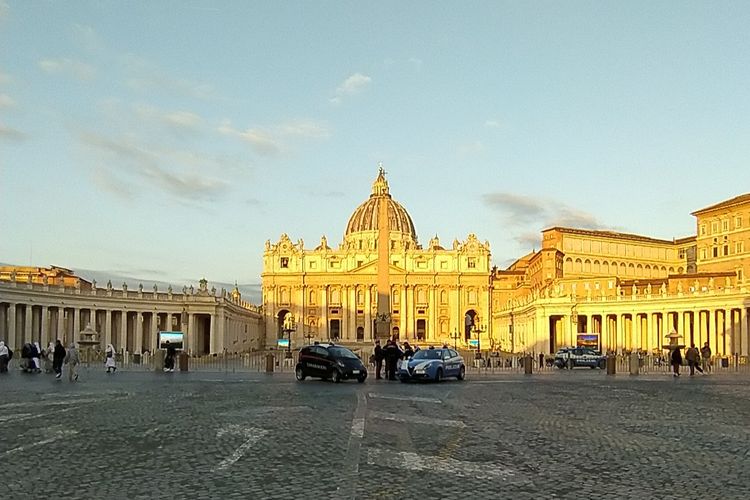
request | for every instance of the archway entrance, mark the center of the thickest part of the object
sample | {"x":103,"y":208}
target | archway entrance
{"x":421,"y":329}
{"x":469,"y":322}
{"x":360,"y":333}
{"x":280,"y":323}
{"x":335,"y":329}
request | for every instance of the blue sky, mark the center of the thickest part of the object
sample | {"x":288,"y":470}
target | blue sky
{"x":169,"y":140}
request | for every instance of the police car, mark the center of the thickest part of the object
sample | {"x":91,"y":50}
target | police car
{"x":432,"y":364}
{"x":579,"y":356}
{"x":329,"y":362}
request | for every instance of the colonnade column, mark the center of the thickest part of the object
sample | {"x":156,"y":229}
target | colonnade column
{"x":44,"y":328}
{"x":214,"y":339}
{"x":138,"y":345}
{"x":402,"y":314}
{"x":351,"y":334}
{"x":620,"y":332}
{"x":191,"y":341}
{"x":368,"y":312}
{"x":712,"y":337}
{"x":60,"y":332}
{"x":123,"y":336}
{"x":344,"y":311}
{"x":76,"y":324}
{"x":29,"y":315}
{"x":411,"y":311}
{"x":107,"y":327}
{"x":432,"y":308}
{"x":635,"y":331}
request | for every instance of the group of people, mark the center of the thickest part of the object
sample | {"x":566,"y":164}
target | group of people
{"x":697,"y":360}
{"x":34,"y":359}
{"x":390,"y":354}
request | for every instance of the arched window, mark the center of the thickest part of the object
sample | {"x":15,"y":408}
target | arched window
{"x":443,"y":297}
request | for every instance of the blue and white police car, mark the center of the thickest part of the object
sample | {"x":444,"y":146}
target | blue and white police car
{"x":432,"y":364}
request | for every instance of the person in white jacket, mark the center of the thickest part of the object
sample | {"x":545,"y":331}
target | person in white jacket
{"x":109,"y":359}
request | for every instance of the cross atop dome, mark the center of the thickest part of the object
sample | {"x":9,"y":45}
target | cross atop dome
{"x":380,"y":186}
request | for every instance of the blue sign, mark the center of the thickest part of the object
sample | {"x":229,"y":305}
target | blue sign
{"x":474,"y":343}
{"x":282,"y":343}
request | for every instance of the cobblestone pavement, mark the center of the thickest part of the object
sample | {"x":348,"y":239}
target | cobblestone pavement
{"x":575,"y":434}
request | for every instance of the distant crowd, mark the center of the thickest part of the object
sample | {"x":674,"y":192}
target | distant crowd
{"x":52,"y":360}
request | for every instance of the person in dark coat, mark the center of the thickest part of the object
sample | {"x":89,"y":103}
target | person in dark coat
{"x":58,"y":358}
{"x":408,"y":351}
{"x":379,"y":355}
{"x":169,"y":360}
{"x":392,"y":354}
{"x":676,"y":361}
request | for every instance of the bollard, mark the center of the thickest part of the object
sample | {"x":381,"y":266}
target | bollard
{"x":611,"y":365}
{"x":634,"y":363}
{"x":159,"y":360}
{"x":183,"y":362}
{"x":269,"y":363}
{"x":528,"y":363}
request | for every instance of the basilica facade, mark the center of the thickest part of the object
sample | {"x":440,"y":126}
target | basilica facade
{"x":379,"y":281}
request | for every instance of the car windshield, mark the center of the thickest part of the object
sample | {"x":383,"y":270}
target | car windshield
{"x":428,"y":354}
{"x":341,"y":352}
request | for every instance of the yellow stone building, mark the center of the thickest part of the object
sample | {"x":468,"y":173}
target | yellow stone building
{"x":425,"y":295}
{"x":630,"y":290}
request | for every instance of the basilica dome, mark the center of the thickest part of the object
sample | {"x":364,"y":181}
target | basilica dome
{"x":364,"y":220}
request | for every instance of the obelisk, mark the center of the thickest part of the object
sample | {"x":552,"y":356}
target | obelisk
{"x":383,"y":317}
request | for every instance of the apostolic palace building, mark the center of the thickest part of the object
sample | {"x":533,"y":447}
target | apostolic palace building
{"x":626,"y":291}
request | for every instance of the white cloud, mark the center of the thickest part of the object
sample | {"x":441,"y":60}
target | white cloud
{"x":351,"y":86}
{"x":87,"y":37}
{"x":492,"y":124}
{"x":6,"y":101}
{"x":273,"y":140}
{"x":173,"y":119}
{"x":470,"y":148}
{"x":521,"y":211}
{"x":4,"y":9}
{"x":67,"y":66}
{"x":4,"y":78}
{"x":11,"y":134}
{"x":416,"y":62}
{"x":146,"y":76}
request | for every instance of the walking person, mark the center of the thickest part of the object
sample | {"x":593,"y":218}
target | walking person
{"x":392,"y":355}
{"x":379,"y":355}
{"x":36,"y":353}
{"x":47,"y":355}
{"x":171,"y":355}
{"x":109,"y":359}
{"x":676,"y":359}
{"x":72,"y":360}
{"x":706,"y":358}
{"x":58,"y":356}
{"x":693,"y":358}
{"x":4,"y":357}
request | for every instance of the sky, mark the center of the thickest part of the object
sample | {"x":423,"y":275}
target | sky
{"x":168,"y":140}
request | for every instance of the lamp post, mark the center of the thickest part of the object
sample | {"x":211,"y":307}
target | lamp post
{"x":479,"y":330}
{"x":511,"y":334}
{"x":455,"y":336}
{"x":289,"y":327}
{"x":309,"y":334}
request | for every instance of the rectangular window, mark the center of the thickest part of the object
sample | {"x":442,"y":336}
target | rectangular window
{"x":285,"y":262}
{"x":714,"y":227}
{"x":472,"y":263}
{"x":739,"y":247}
{"x":737,"y":222}
{"x":716,"y":251}
{"x":703,"y":254}
{"x":739,"y":274}
{"x":725,"y":225}
{"x":313,"y":265}
{"x":703,"y":230}
{"x":726,"y":250}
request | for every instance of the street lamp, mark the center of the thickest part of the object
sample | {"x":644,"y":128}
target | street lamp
{"x":309,"y":336}
{"x":479,"y":330}
{"x":455,"y":335}
{"x":289,"y":327}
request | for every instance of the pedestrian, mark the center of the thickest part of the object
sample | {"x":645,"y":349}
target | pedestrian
{"x":408,"y":351}
{"x":109,"y":359}
{"x":706,"y":358}
{"x":676,"y":361}
{"x":169,"y":360}
{"x":72,"y":360}
{"x":58,"y":356}
{"x":392,"y":355}
{"x":4,"y":357}
{"x":379,"y":355}
{"x":36,"y":352}
{"x":541,"y":360}
{"x":47,"y":355}
{"x":693,"y":358}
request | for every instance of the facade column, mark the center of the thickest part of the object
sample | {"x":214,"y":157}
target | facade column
{"x":351,"y":334}
{"x":411,"y":313}
{"x":402,"y":325}
{"x":345,"y":307}
{"x":368,"y":313}
{"x":682,"y":329}
{"x":635,"y":331}
{"x":724,"y":329}
{"x":697,"y":329}
{"x":620,"y":333}
{"x":138,"y":345}
{"x":744,"y":337}
{"x":712,"y":337}
{"x":324,"y":305}
{"x":44,"y":328}
{"x":430,"y":335}
{"x":215,"y":334}
{"x":107,"y":327}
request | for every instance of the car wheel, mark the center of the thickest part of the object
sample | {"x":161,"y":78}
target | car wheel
{"x":361,"y":378}
{"x":300,"y":374}
{"x":461,"y":373}
{"x":602,"y":365}
{"x":335,"y":376}
{"x":439,"y":375}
